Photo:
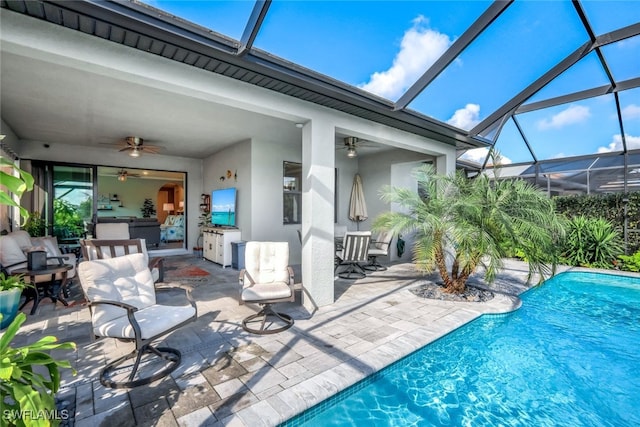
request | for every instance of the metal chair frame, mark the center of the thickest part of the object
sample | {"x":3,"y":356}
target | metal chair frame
{"x":143,"y":346}
{"x":355,"y":250}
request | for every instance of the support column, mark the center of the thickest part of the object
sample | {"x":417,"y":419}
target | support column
{"x":318,"y":188}
{"x":446,"y":164}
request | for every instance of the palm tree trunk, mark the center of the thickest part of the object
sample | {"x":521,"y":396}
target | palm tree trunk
{"x":458,"y":286}
{"x":442,"y":267}
{"x":459,"y":283}
{"x":454,"y":268}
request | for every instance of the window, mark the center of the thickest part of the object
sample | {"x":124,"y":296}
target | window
{"x":292,"y":193}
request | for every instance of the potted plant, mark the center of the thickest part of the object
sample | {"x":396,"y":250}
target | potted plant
{"x":11,"y":288}
{"x":27,"y":397}
{"x":35,"y":225}
{"x":147,"y":208}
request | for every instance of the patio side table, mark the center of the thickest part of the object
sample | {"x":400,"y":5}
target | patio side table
{"x":47,"y":289}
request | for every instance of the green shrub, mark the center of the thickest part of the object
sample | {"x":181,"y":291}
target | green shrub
{"x":591,"y":242}
{"x":67,"y":220}
{"x":35,"y":225}
{"x":606,"y":206}
{"x":629,"y":262}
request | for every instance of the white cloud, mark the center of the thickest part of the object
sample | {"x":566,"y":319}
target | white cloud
{"x":477,"y":155}
{"x":572,"y":115}
{"x":633,"y":142}
{"x":631,"y":111}
{"x":419,"y":49}
{"x":466,"y":118}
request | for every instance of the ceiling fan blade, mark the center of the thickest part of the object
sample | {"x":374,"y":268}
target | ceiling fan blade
{"x":151,"y":150}
{"x":125,"y":149}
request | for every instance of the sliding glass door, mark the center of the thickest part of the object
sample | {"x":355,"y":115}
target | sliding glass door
{"x":72,"y":202}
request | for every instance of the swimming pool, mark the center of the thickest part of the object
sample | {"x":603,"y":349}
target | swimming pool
{"x":569,"y":356}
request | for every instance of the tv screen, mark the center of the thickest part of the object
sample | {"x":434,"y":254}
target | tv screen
{"x":223,"y":207}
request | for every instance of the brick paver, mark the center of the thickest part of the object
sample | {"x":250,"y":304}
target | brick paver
{"x":231,"y":377}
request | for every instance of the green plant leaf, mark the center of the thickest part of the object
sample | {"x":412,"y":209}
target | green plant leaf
{"x":11,"y":331}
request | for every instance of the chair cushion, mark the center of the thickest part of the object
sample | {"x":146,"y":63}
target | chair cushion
{"x":22,"y":238}
{"x":11,"y":252}
{"x":383,"y":240}
{"x":50,"y":244}
{"x":112,"y":230}
{"x":378,"y":252}
{"x":106,"y":254}
{"x":124,"y":279}
{"x":266,"y":291}
{"x":153,"y":321}
{"x":267,"y":262}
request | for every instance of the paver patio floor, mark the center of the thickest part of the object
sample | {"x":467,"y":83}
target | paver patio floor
{"x":230,"y":377}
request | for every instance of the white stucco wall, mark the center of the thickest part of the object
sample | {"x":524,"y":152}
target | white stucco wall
{"x":237,"y":159}
{"x":258,"y":161}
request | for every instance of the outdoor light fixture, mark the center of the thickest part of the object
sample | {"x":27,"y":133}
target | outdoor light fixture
{"x":351,"y":152}
{"x":167,"y":207}
{"x":122,"y":177}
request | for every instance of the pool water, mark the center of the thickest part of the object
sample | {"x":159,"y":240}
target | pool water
{"x":569,"y":357}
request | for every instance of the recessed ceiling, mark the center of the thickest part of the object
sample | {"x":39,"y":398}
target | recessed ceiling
{"x":99,"y":109}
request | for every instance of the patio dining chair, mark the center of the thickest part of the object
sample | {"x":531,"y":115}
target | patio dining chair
{"x":122,"y":300}
{"x":354,"y":252}
{"x":379,"y":247}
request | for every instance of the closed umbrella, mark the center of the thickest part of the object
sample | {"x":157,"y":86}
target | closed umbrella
{"x":357,"y":205}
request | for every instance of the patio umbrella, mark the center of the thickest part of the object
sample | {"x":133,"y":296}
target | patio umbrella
{"x":357,"y":205}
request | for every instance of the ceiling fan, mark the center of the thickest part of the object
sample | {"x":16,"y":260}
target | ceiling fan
{"x":135,"y":146}
{"x":123,"y":175}
{"x":351,"y":143}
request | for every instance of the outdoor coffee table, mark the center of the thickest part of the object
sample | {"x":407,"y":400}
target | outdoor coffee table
{"x":47,"y":289}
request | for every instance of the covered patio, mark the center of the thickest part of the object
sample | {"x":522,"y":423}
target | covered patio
{"x":231,"y":377}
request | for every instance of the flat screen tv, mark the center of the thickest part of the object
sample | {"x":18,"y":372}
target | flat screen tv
{"x":223,"y":207}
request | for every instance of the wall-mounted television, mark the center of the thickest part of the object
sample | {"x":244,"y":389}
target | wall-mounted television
{"x":223,"y":207}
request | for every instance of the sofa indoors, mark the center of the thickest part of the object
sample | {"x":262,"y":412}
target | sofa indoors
{"x":172,"y":230}
{"x":139,"y":228}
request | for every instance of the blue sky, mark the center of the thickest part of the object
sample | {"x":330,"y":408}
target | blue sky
{"x":384,"y":46}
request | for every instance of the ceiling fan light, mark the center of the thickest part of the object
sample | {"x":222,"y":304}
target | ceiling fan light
{"x":351,"y":152}
{"x":122,"y":177}
{"x":135,"y":153}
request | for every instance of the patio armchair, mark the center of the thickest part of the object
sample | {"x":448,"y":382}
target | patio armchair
{"x":122,"y":300}
{"x":266,"y":279}
{"x":354,"y":251}
{"x":379,"y":247}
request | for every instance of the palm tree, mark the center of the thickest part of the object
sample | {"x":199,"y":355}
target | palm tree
{"x":461,"y":224}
